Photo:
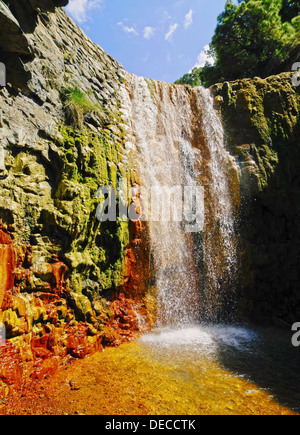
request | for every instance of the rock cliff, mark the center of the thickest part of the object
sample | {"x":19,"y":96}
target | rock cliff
{"x":262,"y":122}
{"x":63,"y":273}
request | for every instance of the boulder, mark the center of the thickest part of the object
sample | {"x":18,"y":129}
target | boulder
{"x":17,"y":22}
{"x":12,"y":38}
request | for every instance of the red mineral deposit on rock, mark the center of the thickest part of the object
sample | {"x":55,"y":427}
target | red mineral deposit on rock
{"x":11,"y":372}
{"x":129,"y":318}
{"x":59,"y":271}
{"x":38,"y":295}
{"x":8,"y":262}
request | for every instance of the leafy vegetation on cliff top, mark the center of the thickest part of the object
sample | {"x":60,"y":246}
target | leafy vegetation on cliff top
{"x":253,"y":38}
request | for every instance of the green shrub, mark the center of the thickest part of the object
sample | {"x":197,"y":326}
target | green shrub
{"x":77,"y":105}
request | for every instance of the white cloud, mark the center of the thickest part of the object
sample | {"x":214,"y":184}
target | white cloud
{"x":204,"y":58}
{"x":148,"y":32}
{"x":188,"y":19}
{"x":171,"y":31}
{"x":80,"y":9}
{"x":128,"y":30}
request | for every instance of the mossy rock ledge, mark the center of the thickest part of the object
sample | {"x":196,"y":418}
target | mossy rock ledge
{"x":262,"y":125}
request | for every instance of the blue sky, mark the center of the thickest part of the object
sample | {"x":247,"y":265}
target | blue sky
{"x":159,"y":39}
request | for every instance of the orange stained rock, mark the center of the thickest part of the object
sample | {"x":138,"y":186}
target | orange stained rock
{"x":33,"y":357}
{"x":8,"y":260}
{"x":126,"y":318}
{"x":137,"y":265}
{"x":132,"y":380}
{"x":11,"y":372}
{"x":59,"y":270}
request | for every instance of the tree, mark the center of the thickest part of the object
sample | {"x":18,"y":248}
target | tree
{"x":253,"y":38}
{"x":192,"y":78}
{"x":290,"y":9}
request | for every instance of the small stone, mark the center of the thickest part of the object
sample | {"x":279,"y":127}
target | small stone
{"x":73,"y":385}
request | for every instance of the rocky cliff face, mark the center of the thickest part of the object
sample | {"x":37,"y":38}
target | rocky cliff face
{"x":18,"y":21}
{"x":262,"y":121}
{"x":61,"y":138}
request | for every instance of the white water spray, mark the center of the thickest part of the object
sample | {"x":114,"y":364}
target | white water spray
{"x":175,"y":137}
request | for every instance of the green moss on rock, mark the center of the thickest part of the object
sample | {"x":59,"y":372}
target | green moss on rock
{"x":97,"y":250}
{"x":262,"y":123}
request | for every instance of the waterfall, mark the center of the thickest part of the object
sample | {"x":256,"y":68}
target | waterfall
{"x":221,"y":246}
{"x":175,"y":138}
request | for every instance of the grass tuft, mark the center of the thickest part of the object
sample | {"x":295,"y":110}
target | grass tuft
{"x":78,"y":105}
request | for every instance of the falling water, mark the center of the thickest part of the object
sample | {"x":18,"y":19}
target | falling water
{"x":221,"y":246}
{"x":175,"y":138}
